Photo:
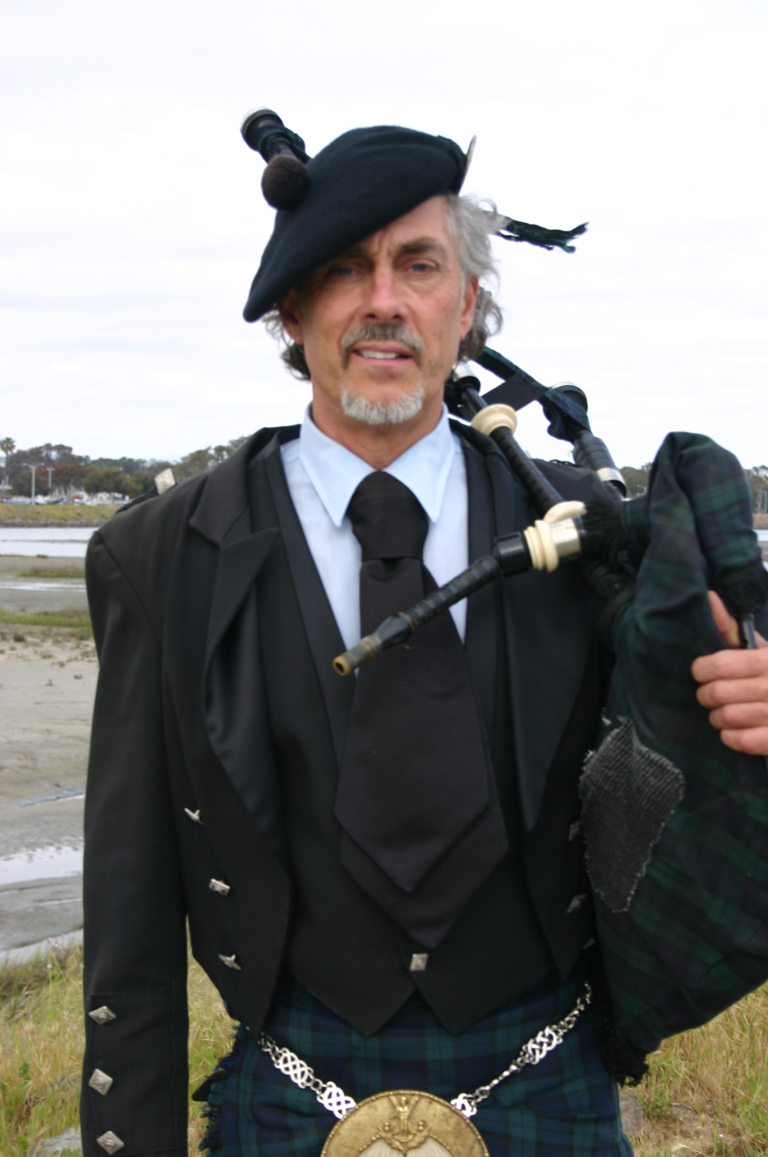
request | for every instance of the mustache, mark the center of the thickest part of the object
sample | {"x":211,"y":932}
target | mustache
{"x":384,"y":332}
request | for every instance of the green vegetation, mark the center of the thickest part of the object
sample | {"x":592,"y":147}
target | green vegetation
{"x":64,"y":514}
{"x":58,"y":470}
{"x":636,"y":478}
{"x":79,"y":621}
{"x":705,"y":1095}
{"x":41,"y":1043}
{"x":53,"y":572}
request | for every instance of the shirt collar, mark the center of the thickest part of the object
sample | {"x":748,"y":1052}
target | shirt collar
{"x":336,"y":472}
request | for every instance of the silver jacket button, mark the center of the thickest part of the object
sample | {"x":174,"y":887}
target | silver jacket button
{"x":101,"y":1082}
{"x":102,"y":1015}
{"x":230,"y":961}
{"x":194,"y":816}
{"x":574,"y":830}
{"x":110,"y":1142}
{"x":219,"y":887}
{"x":419,"y":962}
{"x":576,"y":903}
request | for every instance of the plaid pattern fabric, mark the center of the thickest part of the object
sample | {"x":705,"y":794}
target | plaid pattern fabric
{"x":564,"y":1107}
{"x":695,"y":936}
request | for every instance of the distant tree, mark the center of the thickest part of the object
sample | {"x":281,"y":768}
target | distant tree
{"x":197,"y":462}
{"x":757,"y":481}
{"x":70,"y":471}
{"x":7,"y":445}
{"x":144,"y":479}
{"x":49,"y":454}
{"x":69,"y":476}
{"x":20,"y":480}
{"x":108,"y":481}
{"x":636,"y":478}
{"x":129,"y":466}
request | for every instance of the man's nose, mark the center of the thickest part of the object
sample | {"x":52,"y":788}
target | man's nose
{"x":384,"y":300}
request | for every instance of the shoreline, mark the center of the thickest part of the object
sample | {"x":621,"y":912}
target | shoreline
{"x":47,"y":686}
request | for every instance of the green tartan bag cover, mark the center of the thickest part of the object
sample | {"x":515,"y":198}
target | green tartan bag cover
{"x":675,"y":823}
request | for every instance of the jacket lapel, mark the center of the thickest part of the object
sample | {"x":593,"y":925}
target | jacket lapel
{"x":547,"y":643}
{"x":233,"y":694}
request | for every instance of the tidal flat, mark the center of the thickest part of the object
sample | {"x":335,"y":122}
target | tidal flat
{"x":47,"y":685}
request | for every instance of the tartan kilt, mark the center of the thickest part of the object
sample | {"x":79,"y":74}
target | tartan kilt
{"x":566,"y":1106}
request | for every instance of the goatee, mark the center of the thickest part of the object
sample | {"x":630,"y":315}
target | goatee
{"x":393,"y":413}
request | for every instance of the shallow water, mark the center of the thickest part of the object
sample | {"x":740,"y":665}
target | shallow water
{"x":54,"y":541}
{"x":30,"y":584}
{"x":41,"y":863}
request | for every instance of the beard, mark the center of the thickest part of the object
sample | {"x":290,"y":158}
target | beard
{"x":382,"y":413}
{"x":393,"y":413}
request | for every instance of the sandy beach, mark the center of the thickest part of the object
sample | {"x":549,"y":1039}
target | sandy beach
{"x":47,"y":684}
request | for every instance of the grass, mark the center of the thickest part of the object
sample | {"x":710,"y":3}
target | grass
{"x":41,"y":1043}
{"x":79,"y":621}
{"x":64,"y":514}
{"x":706,"y":1094}
{"x":40,"y":1047}
{"x":52,"y":572}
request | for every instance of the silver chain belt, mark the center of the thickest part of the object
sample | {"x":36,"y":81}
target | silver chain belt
{"x":331,"y":1097}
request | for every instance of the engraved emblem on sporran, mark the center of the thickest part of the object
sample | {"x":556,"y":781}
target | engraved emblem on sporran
{"x":403,"y":1121}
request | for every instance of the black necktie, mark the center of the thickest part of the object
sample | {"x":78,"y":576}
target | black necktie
{"x":417,"y":795}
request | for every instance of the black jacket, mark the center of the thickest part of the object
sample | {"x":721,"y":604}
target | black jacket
{"x":181,"y":789}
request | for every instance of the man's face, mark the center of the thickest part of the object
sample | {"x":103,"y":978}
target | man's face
{"x":381,"y":326}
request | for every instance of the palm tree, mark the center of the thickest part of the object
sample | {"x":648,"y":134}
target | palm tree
{"x":7,"y":445}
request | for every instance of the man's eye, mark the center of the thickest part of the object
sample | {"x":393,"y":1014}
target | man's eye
{"x":421,"y":266}
{"x":342,"y":271}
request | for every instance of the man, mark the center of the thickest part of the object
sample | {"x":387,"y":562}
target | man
{"x":402,"y":936}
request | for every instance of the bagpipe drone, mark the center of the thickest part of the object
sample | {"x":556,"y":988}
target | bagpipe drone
{"x":675,"y":823}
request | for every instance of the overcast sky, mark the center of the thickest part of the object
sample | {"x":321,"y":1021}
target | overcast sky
{"x":132,"y":220}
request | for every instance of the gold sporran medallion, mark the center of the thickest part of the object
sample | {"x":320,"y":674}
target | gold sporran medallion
{"x":404,"y":1121}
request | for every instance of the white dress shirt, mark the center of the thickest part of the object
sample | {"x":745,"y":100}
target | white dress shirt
{"x":322,"y":477}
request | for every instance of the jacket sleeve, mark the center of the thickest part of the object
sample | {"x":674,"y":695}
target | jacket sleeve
{"x":135,"y":1079}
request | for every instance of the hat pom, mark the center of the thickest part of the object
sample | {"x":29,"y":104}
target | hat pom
{"x":285,"y":181}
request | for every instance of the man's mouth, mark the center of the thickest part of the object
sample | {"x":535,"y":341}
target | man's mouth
{"x":381,"y":355}
{"x":382,"y":343}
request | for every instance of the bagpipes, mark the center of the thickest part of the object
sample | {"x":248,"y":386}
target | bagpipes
{"x":675,"y":823}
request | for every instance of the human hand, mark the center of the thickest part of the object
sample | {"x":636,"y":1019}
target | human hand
{"x":733,"y":686}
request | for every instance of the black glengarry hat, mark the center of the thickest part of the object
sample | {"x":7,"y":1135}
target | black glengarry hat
{"x":357,"y":184}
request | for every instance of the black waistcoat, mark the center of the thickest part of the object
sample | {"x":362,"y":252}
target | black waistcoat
{"x":341,"y":946}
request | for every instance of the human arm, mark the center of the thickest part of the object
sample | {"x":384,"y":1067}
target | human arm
{"x":135,"y":944}
{"x":733,"y":686}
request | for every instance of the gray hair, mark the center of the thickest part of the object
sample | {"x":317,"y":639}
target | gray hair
{"x":471,"y":223}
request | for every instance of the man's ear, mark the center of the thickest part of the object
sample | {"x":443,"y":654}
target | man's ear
{"x":470,"y":301}
{"x":288,"y":308}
